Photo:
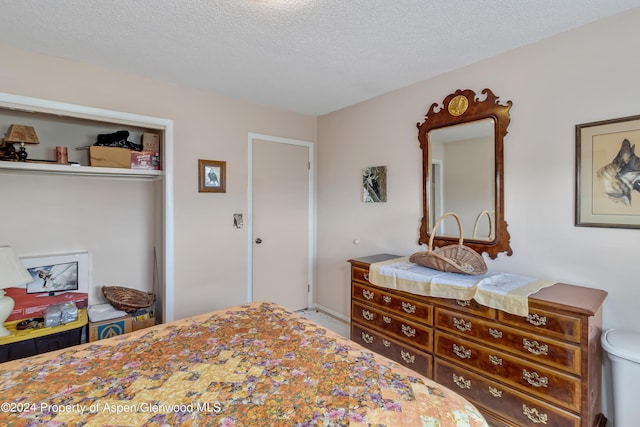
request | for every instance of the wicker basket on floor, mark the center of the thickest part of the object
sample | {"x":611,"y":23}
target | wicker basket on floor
{"x":127,"y":299}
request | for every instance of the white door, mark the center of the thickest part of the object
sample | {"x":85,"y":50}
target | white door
{"x":280,"y":221}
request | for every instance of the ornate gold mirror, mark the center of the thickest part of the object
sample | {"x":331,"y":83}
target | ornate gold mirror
{"x":463,"y":171}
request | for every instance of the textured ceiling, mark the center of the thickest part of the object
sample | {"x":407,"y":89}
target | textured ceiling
{"x":308,"y":56}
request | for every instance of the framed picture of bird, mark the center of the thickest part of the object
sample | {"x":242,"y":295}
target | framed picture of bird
{"x":212,"y":176}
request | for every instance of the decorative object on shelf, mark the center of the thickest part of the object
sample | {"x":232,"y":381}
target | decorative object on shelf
{"x":62,"y":155}
{"x":608,"y":173}
{"x":452,"y":258}
{"x":374,"y":184}
{"x":12,"y":273}
{"x":212,"y":176}
{"x":117,"y":139}
{"x":21,"y":134}
{"x":127,"y":299}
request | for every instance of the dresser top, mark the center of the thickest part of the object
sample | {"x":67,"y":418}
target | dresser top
{"x":579,"y":299}
{"x":374,"y":258}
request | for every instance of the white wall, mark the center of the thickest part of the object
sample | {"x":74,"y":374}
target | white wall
{"x":580,"y":76}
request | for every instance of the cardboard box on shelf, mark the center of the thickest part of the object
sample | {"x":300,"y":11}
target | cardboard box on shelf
{"x":150,"y":142}
{"x":109,"y":328}
{"x":33,"y":305}
{"x":145,"y":160}
{"x":109,"y":157}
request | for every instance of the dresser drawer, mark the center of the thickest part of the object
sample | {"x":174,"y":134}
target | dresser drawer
{"x":554,"y":386}
{"x":410,"y":332}
{"x":534,"y":347}
{"x":411,"y":309}
{"x":522,"y":410}
{"x":394,"y":350}
{"x":360,"y":274}
{"x":546,"y":323}
{"x":468,"y":306}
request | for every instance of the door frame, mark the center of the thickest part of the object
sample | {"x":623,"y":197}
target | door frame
{"x":311,"y":209}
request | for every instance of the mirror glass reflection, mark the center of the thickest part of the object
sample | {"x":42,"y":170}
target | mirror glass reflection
{"x":462,"y":162}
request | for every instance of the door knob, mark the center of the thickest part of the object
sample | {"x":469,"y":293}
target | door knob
{"x":258,"y":240}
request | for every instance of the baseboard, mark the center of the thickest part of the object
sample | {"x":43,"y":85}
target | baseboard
{"x":332,"y":313}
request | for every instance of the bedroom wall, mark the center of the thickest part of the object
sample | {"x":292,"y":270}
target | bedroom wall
{"x":210,"y":255}
{"x":580,"y":76}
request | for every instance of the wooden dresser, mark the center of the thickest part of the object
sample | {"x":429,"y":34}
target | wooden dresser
{"x":540,"y":370}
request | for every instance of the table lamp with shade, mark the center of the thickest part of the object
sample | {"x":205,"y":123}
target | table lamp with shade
{"x":12,"y":273}
{"x":21,"y":134}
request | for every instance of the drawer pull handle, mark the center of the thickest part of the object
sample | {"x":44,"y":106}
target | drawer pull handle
{"x":534,"y":415}
{"x":367,"y":338}
{"x":407,"y":357}
{"x":461,"y":325}
{"x":495,"y":360}
{"x":368,"y":315}
{"x":366,"y":275}
{"x":409,"y":308}
{"x":463,"y":303}
{"x":534,"y":347}
{"x":386,"y":343}
{"x":386,"y":319}
{"x":408,"y":331}
{"x":387,"y":299}
{"x":536,"y":320}
{"x":367,"y":294}
{"x":495,"y":333}
{"x":461,"y":382}
{"x":461,"y":352}
{"x":495,"y":392}
{"x":534,"y":379}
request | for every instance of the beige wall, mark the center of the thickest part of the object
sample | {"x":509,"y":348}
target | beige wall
{"x":580,"y":76}
{"x":210,"y":255}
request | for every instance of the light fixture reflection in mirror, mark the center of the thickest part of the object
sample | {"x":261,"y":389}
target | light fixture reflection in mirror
{"x":462,"y":173}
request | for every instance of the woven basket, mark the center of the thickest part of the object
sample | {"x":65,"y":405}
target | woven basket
{"x":475,"y":224}
{"x":127,"y":299}
{"x":453,"y":258}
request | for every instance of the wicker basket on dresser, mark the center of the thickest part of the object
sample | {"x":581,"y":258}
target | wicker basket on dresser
{"x":540,"y":370}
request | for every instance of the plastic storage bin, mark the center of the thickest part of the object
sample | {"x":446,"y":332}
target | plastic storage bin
{"x":623,"y":349}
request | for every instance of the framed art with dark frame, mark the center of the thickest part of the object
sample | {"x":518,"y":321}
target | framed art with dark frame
{"x":608,"y":173}
{"x":212,"y":176}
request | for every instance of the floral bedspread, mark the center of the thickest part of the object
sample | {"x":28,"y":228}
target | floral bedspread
{"x":251,"y":365}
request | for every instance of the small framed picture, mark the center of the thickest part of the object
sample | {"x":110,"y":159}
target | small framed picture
{"x":374,"y":184}
{"x":608,"y":173}
{"x":212,"y":176}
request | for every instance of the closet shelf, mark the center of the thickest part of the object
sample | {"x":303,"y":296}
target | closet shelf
{"x":54,"y":168}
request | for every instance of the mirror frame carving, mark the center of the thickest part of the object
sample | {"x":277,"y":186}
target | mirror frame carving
{"x":467,"y":107}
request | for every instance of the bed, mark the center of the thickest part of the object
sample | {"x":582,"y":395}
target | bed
{"x":251,"y":365}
